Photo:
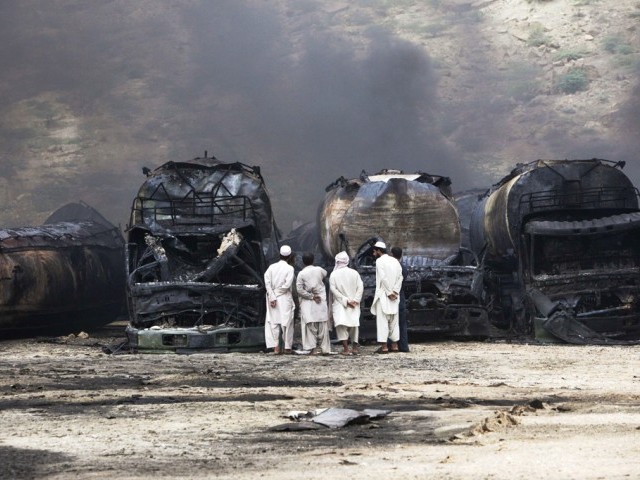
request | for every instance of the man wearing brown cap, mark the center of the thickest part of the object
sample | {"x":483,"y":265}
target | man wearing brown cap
{"x":278,"y":280}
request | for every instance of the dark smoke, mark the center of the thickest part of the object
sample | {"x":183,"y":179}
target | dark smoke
{"x":231,"y":77}
{"x":321,"y":108}
{"x":280,"y":85}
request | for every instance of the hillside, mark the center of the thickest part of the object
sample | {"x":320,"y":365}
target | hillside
{"x":309,"y":90}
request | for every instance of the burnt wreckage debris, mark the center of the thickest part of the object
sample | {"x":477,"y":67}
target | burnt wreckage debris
{"x":549,"y":251}
{"x":417,"y":213}
{"x":63,"y":276}
{"x":560,"y":254}
{"x":200,"y":237}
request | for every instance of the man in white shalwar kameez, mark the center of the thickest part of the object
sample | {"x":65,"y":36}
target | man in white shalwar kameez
{"x":314,"y":314}
{"x":278,"y":280}
{"x":386,"y":300}
{"x":346,"y":289}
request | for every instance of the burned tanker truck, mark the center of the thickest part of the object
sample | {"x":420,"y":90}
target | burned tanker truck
{"x":64,"y":276}
{"x":201,"y":236}
{"x":414,"y":212}
{"x":558,"y":242}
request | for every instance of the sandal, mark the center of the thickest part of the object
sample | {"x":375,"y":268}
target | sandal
{"x":381,"y":350}
{"x":345,"y":353}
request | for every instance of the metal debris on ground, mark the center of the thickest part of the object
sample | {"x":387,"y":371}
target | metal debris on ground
{"x":329,"y":417}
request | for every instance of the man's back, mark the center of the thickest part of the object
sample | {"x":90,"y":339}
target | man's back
{"x":346,"y":280}
{"x":311,"y":279}
{"x":279,"y":277}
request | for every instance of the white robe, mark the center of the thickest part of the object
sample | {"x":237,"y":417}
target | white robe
{"x":313,"y":316}
{"x":308,"y":284}
{"x":388,"y":280}
{"x":345,"y":284}
{"x":278,"y":280}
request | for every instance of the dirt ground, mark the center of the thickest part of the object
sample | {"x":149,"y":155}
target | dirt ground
{"x":459,"y":411}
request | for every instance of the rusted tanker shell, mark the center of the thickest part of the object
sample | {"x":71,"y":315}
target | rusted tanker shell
{"x":546,"y":188}
{"x":403,"y":212}
{"x":330,"y":218}
{"x":62,"y":276}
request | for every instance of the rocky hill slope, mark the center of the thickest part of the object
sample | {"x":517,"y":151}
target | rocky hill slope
{"x":308,"y":90}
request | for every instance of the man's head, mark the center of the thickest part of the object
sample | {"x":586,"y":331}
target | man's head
{"x":396,"y":252}
{"x":379,"y":249}
{"x":342,"y":260}
{"x":285,"y":252}
{"x":307,"y":258}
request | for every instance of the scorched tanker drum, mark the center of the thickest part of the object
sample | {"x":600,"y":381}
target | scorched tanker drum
{"x":407,"y":210}
{"x":63,"y":276}
{"x":414,"y":212}
{"x":559,"y":241}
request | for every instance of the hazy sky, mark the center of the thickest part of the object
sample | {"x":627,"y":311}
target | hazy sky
{"x":93,"y":90}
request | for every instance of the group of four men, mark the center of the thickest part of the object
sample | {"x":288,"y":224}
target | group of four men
{"x":346,"y":289}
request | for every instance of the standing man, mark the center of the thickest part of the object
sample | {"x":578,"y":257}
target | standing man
{"x":386,"y":300}
{"x":278,"y":280}
{"x":346,"y":288}
{"x":403,"y":343}
{"x":314,"y":314}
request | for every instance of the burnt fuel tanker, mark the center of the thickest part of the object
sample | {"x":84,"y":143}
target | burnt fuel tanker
{"x":61,"y":277}
{"x":414,"y":212}
{"x":200,"y":237}
{"x":559,"y":246}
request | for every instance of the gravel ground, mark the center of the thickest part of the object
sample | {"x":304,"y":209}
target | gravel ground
{"x":459,"y":411}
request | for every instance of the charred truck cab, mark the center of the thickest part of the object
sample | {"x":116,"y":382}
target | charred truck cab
{"x":559,"y":241}
{"x":416,"y":213}
{"x":201,"y":236}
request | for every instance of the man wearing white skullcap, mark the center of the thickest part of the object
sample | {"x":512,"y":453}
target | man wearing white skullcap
{"x":386,"y":301}
{"x":278,"y":280}
{"x":346,"y":289}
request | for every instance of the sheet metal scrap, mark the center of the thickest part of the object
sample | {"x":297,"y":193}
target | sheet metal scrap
{"x":200,"y":238}
{"x":340,"y":417}
{"x":331,"y":418}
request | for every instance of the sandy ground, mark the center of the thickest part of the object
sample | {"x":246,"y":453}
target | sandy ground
{"x":459,"y":411}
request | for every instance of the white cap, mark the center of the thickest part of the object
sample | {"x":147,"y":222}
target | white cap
{"x":285,"y":250}
{"x":380,"y":244}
